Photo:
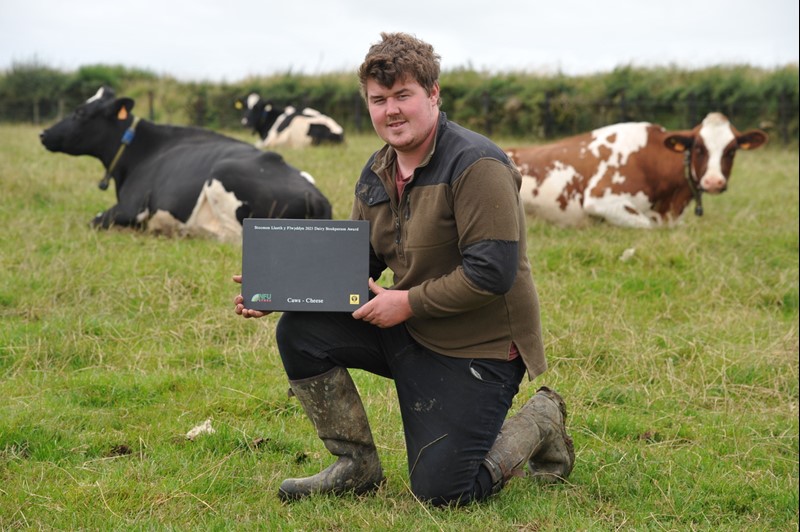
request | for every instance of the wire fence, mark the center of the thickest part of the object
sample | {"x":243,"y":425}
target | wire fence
{"x":524,"y":107}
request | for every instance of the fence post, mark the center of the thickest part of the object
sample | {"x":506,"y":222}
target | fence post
{"x":150,"y":105}
{"x":692,"y":109}
{"x":199,"y":109}
{"x":357,"y":111}
{"x":623,"y":107}
{"x":783,"y":116}
{"x":547,"y":116}
{"x":486,"y":104}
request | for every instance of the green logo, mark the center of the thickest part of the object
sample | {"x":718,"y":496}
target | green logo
{"x":261,"y":298}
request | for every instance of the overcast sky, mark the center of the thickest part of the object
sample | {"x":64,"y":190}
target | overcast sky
{"x":229,"y":40}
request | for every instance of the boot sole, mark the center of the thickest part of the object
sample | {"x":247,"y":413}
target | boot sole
{"x":286,"y":496}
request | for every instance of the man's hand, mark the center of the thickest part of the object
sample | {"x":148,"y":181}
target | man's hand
{"x":238,"y":303}
{"x":386,"y":309}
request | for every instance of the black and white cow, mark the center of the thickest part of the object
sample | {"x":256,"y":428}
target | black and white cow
{"x":181,"y":180}
{"x":287,"y":126}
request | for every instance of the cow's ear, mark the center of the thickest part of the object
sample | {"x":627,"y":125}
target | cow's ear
{"x":678,"y":142}
{"x":122,"y":108}
{"x":752,"y":139}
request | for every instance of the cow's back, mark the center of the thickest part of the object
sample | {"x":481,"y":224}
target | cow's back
{"x":639,"y":182}
{"x":274,"y":188}
{"x":173,"y":163}
{"x":554,"y":178}
{"x":308,"y":127}
{"x":203,"y":178}
{"x":572,"y":180}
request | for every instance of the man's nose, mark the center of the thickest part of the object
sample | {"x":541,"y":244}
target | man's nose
{"x":392,"y":108}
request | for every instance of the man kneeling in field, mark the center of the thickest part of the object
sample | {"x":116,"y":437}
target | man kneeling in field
{"x":459,"y":328}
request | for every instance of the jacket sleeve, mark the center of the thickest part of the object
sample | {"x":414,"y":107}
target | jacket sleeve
{"x":488,"y":216}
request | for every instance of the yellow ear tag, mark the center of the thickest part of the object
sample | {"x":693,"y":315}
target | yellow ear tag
{"x":123,"y":113}
{"x":679,"y":146}
{"x":745,"y":145}
{"x":238,"y":105}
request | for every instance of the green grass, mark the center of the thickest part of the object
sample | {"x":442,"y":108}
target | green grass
{"x":679,"y":367}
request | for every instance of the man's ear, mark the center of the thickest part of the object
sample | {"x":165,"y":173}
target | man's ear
{"x":436,"y":93}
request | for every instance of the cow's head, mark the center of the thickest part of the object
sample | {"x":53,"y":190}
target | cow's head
{"x":257,"y":114}
{"x":94,"y":128}
{"x":710,"y":148}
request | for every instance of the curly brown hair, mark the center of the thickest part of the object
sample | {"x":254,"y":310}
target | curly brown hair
{"x":399,"y":57}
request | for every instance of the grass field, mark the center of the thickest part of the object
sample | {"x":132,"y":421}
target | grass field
{"x":679,"y":367}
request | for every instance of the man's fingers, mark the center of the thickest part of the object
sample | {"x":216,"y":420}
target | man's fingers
{"x":374,"y":287}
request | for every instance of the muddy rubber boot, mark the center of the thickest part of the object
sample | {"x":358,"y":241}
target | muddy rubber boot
{"x":537,"y":435}
{"x":332,"y":403}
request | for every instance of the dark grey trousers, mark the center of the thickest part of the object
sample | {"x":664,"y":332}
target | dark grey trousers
{"x":452,"y":408}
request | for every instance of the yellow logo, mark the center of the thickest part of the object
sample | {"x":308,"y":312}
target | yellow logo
{"x":354,"y":299}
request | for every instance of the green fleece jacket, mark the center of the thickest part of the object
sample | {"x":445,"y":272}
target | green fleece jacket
{"x":456,"y":241}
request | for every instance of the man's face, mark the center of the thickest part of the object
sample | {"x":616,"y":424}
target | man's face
{"x":403,"y":115}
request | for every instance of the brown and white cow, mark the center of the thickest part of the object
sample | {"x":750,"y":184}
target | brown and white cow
{"x":630,"y":174}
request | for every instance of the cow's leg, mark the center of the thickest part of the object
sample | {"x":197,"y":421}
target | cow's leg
{"x":619,"y":209}
{"x":105,"y":219}
{"x":117,"y":216}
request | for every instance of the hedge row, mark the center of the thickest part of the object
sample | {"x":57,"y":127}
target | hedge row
{"x":514,"y":104}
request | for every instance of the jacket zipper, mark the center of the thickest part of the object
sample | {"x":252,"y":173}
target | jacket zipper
{"x":403,"y":211}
